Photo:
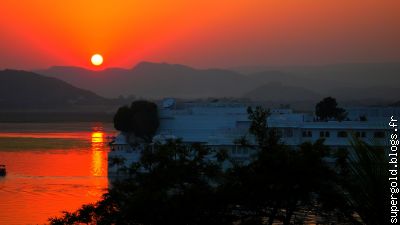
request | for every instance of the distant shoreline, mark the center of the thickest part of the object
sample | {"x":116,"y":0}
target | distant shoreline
{"x":49,"y":117}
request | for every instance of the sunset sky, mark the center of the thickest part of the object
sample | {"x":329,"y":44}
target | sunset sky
{"x":42,"y":33}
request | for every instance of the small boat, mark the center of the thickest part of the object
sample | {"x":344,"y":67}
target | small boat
{"x":2,"y":170}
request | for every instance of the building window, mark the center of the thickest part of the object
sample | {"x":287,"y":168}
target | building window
{"x":360,"y":134}
{"x":288,"y":132}
{"x":240,"y":151}
{"x":342,"y":134}
{"x":379,"y":134}
{"x":279,"y":133}
{"x":323,"y":134}
{"x":307,"y":133}
{"x":242,"y":124}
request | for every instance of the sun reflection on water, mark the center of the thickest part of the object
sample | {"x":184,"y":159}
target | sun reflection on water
{"x":99,"y":153}
{"x":97,"y":137}
{"x":53,"y":166}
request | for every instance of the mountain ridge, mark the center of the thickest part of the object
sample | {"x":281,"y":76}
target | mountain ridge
{"x":159,"y":80}
{"x":24,"y":89}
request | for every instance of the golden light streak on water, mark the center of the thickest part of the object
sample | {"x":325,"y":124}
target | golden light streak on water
{"x":51,"y":167}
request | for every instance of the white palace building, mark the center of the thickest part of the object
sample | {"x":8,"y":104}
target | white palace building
{"x":219,"y":124}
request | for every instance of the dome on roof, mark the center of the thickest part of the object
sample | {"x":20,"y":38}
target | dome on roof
{"x":168,"y":103}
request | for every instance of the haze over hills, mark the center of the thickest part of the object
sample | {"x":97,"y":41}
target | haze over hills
{"x":396,"y":104}
{"x":355,"y":75}
{"x":373,"y":82}
{"x":154,"y":80}
{"x":277,"y":92}
{"x":23,"y":90}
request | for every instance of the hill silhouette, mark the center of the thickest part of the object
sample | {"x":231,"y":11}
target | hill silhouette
{"x":346,"y":81}
{"x":278,"y":92}
{"x":156,"y":80}
{"x":371,"y":82}
{"x":396,"y":104}
{"x":22,"y":89}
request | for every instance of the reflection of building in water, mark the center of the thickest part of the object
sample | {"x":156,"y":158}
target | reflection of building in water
{"x":219,"y":124}
{"x":99,"y":154}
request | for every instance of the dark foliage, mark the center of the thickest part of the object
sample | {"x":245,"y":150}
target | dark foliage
{"x":327,"y":109}
{"x":122,"y":119}
{"x":259,"y":126}
{"x":364,"y":180}
{"x":178,"y":184}
{"x":141,"y":119}
{"x":172,"y":184}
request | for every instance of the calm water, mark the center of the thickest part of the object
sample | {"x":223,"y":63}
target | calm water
{"x":51,"y":167}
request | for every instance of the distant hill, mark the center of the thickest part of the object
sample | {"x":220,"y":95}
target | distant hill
{"x":279,"y":93}
{"x":373,"y":93}
{"x":294,"y":80}
{"x":396,"y":104}
{"x":348,"y":74}
{"x":373,"y":82}
{"x":156,"y":80}
{"x":107,"y":82}
{"x":370,"y":82}
{"x":21,"y":89}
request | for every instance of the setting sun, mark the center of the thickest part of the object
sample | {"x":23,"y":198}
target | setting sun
{"x":97,"y":59}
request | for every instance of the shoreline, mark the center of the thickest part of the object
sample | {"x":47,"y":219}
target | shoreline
{"x":50,"y":117}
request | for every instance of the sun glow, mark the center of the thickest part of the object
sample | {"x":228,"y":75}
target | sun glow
{"x":97,"y":137}
{"x":98,"y":154}
{"x":97,"y":59}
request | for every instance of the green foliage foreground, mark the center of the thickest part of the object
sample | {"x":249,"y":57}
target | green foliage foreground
{"x":178,"y":184}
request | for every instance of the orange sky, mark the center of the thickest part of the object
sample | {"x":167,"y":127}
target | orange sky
{"x":207,"y":33}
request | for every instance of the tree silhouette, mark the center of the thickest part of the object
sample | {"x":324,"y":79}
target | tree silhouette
{"x":122,"y":119}
{"x":259,"y":125}
{"x":140,"y":119}
{"x":365,"y":182}
{"x":327,"y":109}
{"x":117,"y":161}
{"x":178,"y":183}
{"x":280,"y":182}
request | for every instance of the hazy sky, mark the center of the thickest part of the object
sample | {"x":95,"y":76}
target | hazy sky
{"x":206,"y":33}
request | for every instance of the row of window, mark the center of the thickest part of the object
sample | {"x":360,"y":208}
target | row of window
{"x":343,"y":134}
{"x":119,"y":147}
{"x":240,"y":151}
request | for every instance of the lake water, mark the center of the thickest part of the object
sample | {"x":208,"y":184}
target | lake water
{"x":51,"y":167}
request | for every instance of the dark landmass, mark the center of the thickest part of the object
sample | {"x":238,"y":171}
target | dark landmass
{"x":22,"y":90}
{"x":153,"y":80}
{"x":30,"y":97}
{"x":371,"y":83}
{"x":376,"y":83}
{"x":280,"y":93}
{"x":395,"y":104}
{"x":50,"y":117}
{"x":71,"y":93}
